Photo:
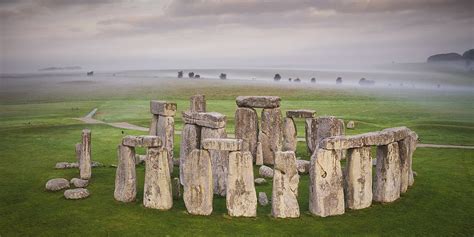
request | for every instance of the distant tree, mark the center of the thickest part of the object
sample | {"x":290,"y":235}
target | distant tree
{"x":297,"y":79}
{"x":180,"y":74}
{"x":277,"y":77}
{"x":197,"y":76}
{"x":365,"y":82}
{"x":191,"y":74}
{"x":289,"y":79}
{"x":313,"y":80}
{"x":339,"y":80}
{"x":223,"y":76}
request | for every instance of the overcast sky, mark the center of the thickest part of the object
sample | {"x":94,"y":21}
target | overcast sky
{"x":142,"y":34}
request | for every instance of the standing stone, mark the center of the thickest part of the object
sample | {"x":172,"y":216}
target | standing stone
{"x":157,"y":187}
{"x":289,"y":135}
{"x":125,"y":176}
{"x":311,"y":133}
{"x":198,"y":103}
{"x":387,"y":179}
{"x":246,"y":128}
{"x":241,"y":197}
{"x":328,"y":127}
{"x":198,"y":192}
{"x":303,"y":166}
{"x":85,"y":162}
{"x":270,"y":135}
{"x":165,"y":130}
{"x":219,"y":160}
{"x":326,"y":193}
{"x":358,"y":178}
{"x":413,"y":143}
{"x":153,"y":125}
{"x":78,"y":152}
{"x":177,"y":192}
{"x":285,"y":186}
{"x":259,"y":156}
{"x":404,"y":147}
{"x":262,"y":199}
{"x":190,"y":140}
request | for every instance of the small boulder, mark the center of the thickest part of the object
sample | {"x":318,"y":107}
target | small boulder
{"x":302,"y":166}
{"x":265,"y":171}
{"x":57,"y":184}
{"x":77,"y":193}
{"x":262,"y":199}
{"x":260,"y":181}
{"x":96,"y":164}
{"x":66,"y":165}
{"x":79,"y":183}
{"x":350,"y":124}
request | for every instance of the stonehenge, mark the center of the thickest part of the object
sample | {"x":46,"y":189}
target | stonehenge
{"x":198,"y":183}
{"x":285,"y":186}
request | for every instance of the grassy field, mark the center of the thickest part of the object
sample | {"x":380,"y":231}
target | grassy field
{"x":37,"y":130}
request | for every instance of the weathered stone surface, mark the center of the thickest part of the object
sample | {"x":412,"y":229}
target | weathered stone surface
{"x":265,"y":171}
{"x":326,"y":193}
{"x":406,"y":147}
{"x":358,"y":178}
{"x":241,"y":197}
{"x":140,"y":159}
{"x":350,"y":124}
{"x":78,"y":152}
{"x":177,"y":190}
{"x":270,"y":135}
{"x":163,"y":108}
{"x":398,"y":133}
{"x":246,"y":128}
{"x":165,"y":131}
{"x":258,"y":101}
{"x":289,"y":135}
{"x":219,"y":160}
{"x":262,"y":199}
{"x":198,"y":190}
{"x":197,"y":103}
{"x":300,"y":113}
{"x":303,"y":166}
{"x":342,"y":142}
{"x":285,"y":186}
{"x":222,"y":144}
{"x":259,"y":155}
{"x":85,"y":169}
{"x":311,"y":134}
{"x":190,"y":140}
{"x":153,"y":125}
{"x":327,"y":127}
{"x":77,"y":193}
{"x":411,"y":173}
{"x":387,"y":179}
{"x":142,"y":141}
{"x":66,"y":165}
{"x":57,"y":184}
{"x":125,"y":175}
{"x":205,"y":119}
{"x":260,"y":181}
{"x":157,"y":192}
{"x":79,"y":183}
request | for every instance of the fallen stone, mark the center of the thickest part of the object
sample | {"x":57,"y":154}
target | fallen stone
{"x":205,"y":119}
{"x":358,"y":178}
{"x":198,"y":103}
{"x":265,"y":171}
{"x":157,"y":192}
{"x":77,"y":193}
{"x":125,"y":175}
{"x":271,"y":134}
{"x":303,"y":166}
{"x":301,"y":113}
{"x":66,"y":165}
{"x":219,"y":160}
{"x":387,"y":178}
{"x":260,"y":181}
{"x":141,"y":141}
{"x":350,"y":124}
{"x":326,"y":193}
{"x":241,"y":197}
{"x":246,"y":128}
{"x":258,"y":101}
{"x":79,"y":183}
{"x":198,"y":190}
{"x":259,"y":156}
{"x":190,"y":140}
{"x":96,"y":164}
{"x":85,"y":170}
{"x":163,"y":108}
{"x":177,"y":190}
{"x":222,"y":144}
{"x":262,"y":199}
{"x":165,"y":131}
{"x":285,"y":186}
{"x":57,"y":184}
{"x":289,"y":135}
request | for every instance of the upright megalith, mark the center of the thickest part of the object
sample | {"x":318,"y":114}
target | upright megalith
{"x":387,"y":180}
{"x":163,"y":115}
{"x":85,"y":162}
{"x":198,"y":103}
{"x":198,"y":190}
{"x":125,"y":176}
{"x":358,"y":178}
{"x":326,"y":194}
{"x":190,"y":140}
{"x":322,"y":127}
{"x":241,"y":197}
{"x":270,"y":134}
{"x":289,"y":135}
{"x":246,"y":128}
{"x":157,"y":187}
{"x":259,"y":155}
{"x":311,"y":133}
{"x":285,"y":186}
{"x":219,"y":159}
{"x":78,"y":152}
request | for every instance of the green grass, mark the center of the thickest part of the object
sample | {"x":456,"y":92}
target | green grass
{"x":38,"y":133}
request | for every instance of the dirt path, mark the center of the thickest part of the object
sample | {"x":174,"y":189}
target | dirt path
{"x":90,"y":120}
